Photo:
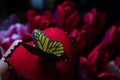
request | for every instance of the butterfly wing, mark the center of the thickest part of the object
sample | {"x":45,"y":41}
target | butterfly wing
{"x":40,"y":39}
{"x":31,"y":49}
{"x":56,"y":48}
{"x":34,"y":50}
{"x":43,"y":43}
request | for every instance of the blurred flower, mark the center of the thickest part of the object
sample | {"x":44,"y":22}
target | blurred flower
{"x":87,"y":34}
{"x":30,"y":18}
{"x":44,"y":20}
{"x":41,"y":21}
{"x":67,"y":16}
{"x":97,"y":63}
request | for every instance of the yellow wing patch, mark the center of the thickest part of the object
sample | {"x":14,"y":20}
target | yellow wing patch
{"x":43,"y":42}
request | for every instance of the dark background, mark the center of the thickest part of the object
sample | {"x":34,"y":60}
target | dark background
{"x":111,"y":7}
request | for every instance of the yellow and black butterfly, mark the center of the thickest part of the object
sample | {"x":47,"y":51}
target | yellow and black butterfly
{"x":44,"y":47}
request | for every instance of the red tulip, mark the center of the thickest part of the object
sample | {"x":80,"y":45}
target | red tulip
{"x":88,"y":33}
{"x":30,"y":66}
{"x":98,"y":59}
{"x":80,"y":37}
{"x":41,"y":21}
{"x":106,"y":76}
{"x":67,"y":16}
{"x":100,"y":55}
{"x":44,"y":20}
{"x":110,"y":41}
{"x":26,"y":37}
{"x":30,"y":17}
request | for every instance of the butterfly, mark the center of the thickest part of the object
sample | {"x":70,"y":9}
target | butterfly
{"x":44,"y":47}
